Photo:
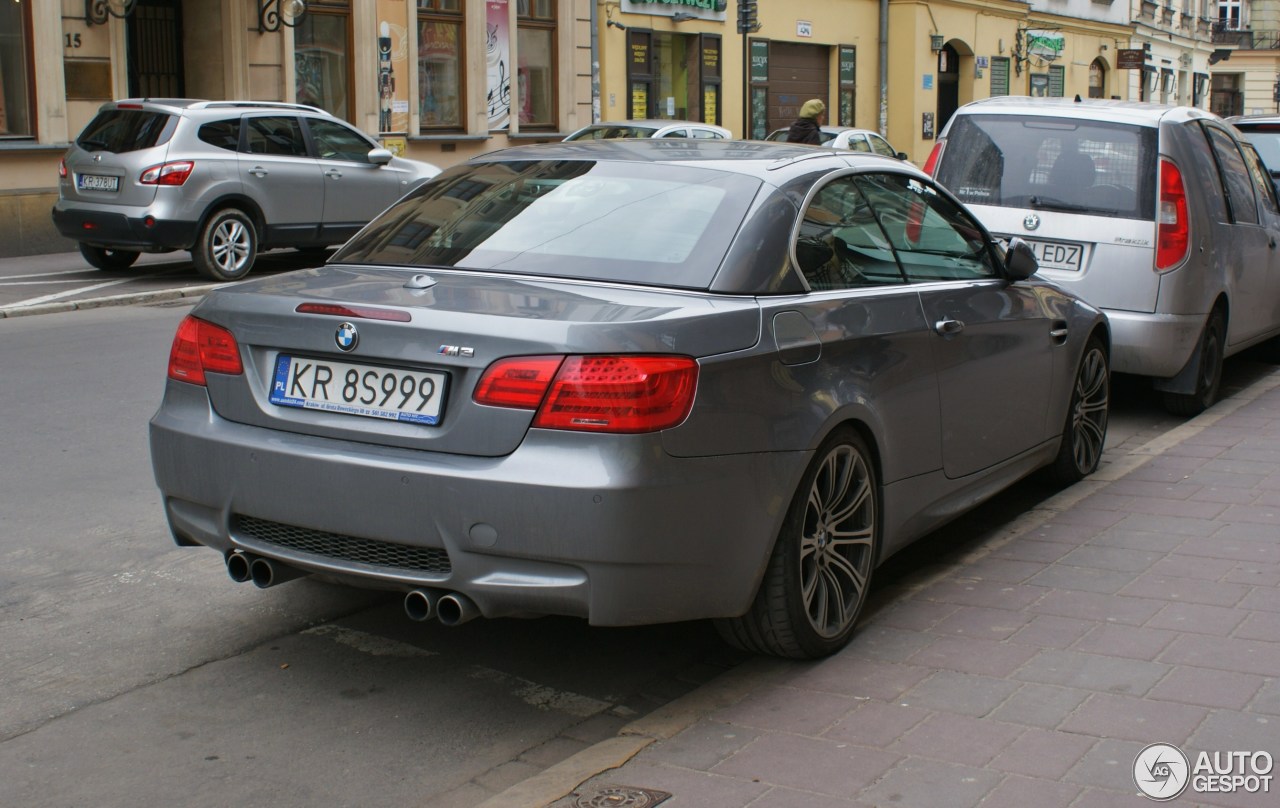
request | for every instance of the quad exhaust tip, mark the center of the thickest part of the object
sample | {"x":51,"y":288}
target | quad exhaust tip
{"x":264,"y":572}
{"x":451,"y":609}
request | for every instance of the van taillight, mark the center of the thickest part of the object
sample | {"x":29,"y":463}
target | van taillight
{"x":618,"y":393}
{"x":1173,"y":231}
{"x":62,"y":168}
{"x":932,"y":162}
{"x":201,"y":346}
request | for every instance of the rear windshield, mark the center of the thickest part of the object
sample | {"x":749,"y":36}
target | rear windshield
{"x":613,"y":132}
{"x":662,"y":225}
{"x":1049,"y":163}
{"x":1266,"y":138}
{"x":123,"y":130}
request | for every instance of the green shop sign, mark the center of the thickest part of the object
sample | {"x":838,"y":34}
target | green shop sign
{"x":705,"y":5}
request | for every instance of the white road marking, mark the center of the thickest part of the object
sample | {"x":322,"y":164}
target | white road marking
{"x":59,"y":295}
{"x":541,"y":696}
{"x":370,"y":644}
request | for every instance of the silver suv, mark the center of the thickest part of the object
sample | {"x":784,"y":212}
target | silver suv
{"x":1161,"y":216}
{"x":223,"y":179}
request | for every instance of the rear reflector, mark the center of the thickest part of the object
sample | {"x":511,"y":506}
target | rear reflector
{"x":356,"y":312}
{"x":201,"y":347}
{"x":628,"y":394}
{"x":1173,"y":237}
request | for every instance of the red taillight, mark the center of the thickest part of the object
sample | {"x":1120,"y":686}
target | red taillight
{"x":201,"y":347}
{"x":174,"y":173}
{"x":594,"y":393}
{"x":520,"y":381}
{"x":932,"y":162}
{"x":1173,"y":233}
{"x":62,"y":168}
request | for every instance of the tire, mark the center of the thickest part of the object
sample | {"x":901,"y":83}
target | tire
{"x":1208,"y":371}
{"x":110,"y":260}
{"x":1085,"y":433}
{"x":227,"y":246}
{"x":820,"y":569}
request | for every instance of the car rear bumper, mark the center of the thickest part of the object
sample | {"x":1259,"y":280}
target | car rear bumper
{"x":1156,"y":345}
{"x":127,"y":229}
{"x":609,"y":528}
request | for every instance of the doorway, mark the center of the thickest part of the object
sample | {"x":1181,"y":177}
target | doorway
{"x":154,"y":43}
{"x":948,"y":85}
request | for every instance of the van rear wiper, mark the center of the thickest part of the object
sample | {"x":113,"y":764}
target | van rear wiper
{"x":1049,"y":203}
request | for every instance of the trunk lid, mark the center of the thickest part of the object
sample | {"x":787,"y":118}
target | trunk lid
{"x":458,"y":324}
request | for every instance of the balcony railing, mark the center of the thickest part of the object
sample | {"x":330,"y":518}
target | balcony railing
{"x":1240,"y":37}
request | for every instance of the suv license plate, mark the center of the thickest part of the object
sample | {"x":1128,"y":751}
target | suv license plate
{"x":1057,"y":254}
{"x":95,"y":182}
{"x":394,"y":394}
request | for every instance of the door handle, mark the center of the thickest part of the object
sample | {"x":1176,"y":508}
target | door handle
{"x":333,"y":172}
{"x":1059,"y":332}
{"x":258,"y":171}
{"x":948,"y":327}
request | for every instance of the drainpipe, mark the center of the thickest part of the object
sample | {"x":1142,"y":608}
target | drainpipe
{"x":884,"y":67}
{"x":595,"y":64}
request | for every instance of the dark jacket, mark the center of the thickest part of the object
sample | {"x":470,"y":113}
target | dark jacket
{"x":804,"y":130}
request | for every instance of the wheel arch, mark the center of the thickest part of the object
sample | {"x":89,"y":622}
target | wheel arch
{"x":239,"y":202}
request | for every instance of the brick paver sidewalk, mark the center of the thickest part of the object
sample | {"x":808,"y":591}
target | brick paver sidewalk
{"x":1140,"y":606}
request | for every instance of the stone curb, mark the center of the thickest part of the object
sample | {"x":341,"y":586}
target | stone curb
{"x":112,"y":300}
{"x":560,"y":780}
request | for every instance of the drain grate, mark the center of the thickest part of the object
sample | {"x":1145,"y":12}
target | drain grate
{"x":607,"y":796}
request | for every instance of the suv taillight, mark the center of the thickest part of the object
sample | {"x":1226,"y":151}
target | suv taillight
{"x":594,"y":393}
{"x":174,"y":173}
{"x":1173,"y":231}
{"x":932,"y":162}
{"x":62,"y":168}
{"x":201,"y":347}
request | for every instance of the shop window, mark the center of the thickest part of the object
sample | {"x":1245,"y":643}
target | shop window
{"x":16,"y":118}
{"x":1097,"y":79}
{"x":322,"y":71}
{"x":440,"y":64}
{"x":535,"y":71}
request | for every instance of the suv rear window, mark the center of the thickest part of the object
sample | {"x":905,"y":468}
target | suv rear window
{"x":1073,"y":165}
{"x":123,"y":130}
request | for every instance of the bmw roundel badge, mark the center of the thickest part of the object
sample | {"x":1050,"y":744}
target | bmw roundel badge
{"x":1031,"y":222}
{"x":347,"y":337}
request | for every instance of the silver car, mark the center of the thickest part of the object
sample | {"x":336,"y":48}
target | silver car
{"x":634,"y":382}
{"x":223,"y":179}
{"x":1161,"y":216}
{"x":847,"y":137}
{"x":645,"y":127}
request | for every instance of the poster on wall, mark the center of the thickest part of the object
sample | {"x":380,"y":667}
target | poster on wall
{"x":393,"y":66}
{"x":498,"y":63}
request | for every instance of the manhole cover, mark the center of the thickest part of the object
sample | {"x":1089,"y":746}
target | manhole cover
{"x":621,"y":797}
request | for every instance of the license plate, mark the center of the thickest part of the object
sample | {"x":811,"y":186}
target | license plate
{"x":395,"y":394}
{"x":95,"y":182}
{"x":1057,"y":254}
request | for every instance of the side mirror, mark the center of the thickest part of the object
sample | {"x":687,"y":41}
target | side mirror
{"x":380,"y":157}
{"x":1019,"y":260}
{"x":902,"y":155}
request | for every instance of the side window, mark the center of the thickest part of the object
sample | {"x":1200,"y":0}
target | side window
{"x":1261,"y":178}
{"x":707,"y":134}
{"x":858,"y":143}
{"x":881,"y":146}
{"x":840,"y":245}
{"x":934,"y":238}
{"x":1235,"y":176}
{"x":223,"y":134}
{"x":676,"y":133}
{"x":275,"y":134}
{"x":333,"y":141}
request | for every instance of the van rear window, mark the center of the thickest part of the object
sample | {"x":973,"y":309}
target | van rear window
{"x":1066,"y":164}
{"x":124,"y":130}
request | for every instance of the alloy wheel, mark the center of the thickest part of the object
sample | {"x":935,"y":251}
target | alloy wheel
{"x":836,"y":544}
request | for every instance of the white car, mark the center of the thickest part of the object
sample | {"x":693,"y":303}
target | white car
{"x":607,"y":130}
{"x":847,"y":137}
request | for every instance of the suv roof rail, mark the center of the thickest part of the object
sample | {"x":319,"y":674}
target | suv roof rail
{"x":256,"y":104}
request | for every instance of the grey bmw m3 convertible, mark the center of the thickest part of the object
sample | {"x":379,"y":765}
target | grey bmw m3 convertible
{"x":634,"y":382}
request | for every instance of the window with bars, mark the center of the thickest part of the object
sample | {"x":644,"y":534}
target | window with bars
{"x":441,"y":65}
{"x":536,"y":63}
